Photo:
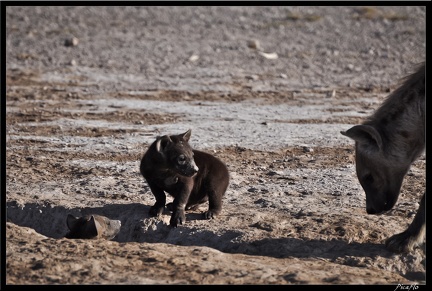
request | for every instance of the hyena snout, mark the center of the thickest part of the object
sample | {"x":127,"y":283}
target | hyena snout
{"x":379,"y":206}
{"x":379,"y":210}
{"x":190,"y":170}
{"x":371,"y":210}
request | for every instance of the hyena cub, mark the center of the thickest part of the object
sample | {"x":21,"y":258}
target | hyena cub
{"x":92,"y":227}
{"x":386,"y":145}
{"x":190,"y":176}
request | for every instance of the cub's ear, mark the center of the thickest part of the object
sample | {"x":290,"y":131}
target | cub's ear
{"x":88,"y":227}
{"x":162,"y":142}
{"x":186,"y":136}
{"x":71,"y":221}
{"x":94,"y":226}
{"x":364,"y":135}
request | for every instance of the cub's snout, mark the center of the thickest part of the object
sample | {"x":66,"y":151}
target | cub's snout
{"x":189,"y":169}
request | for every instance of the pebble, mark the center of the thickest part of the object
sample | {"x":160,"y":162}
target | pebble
{"x":71,"y":41}
{"x":193,"y":58}
{"x":308,"y":149}
{"x":254,"y":44}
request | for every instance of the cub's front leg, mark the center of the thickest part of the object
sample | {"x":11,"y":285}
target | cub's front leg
{"x":179,"y":204}
{"x":159,"y":206}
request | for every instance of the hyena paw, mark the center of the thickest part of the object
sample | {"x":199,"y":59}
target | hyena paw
{"x":170,"y":207}
{"x":210,"y":214}
{"x":401,"y":243}
{"x":178,"y":217}
{"x":156,"y":211}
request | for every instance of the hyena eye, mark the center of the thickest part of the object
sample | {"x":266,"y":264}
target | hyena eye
{"x":369,"y":179}
{"x":181,"y":159}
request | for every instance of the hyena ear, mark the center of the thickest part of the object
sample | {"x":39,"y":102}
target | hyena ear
{"x":94,"y":226}
{"x":71,"y":221}
{"x":162,"y":142}
{"x":87,"y":227}
{"x":365,"y":135}
{"x":186,"y":136}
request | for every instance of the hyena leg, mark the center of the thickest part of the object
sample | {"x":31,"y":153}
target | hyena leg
{"x":215,"y":205}
{"x":413,"y":236}
{"x":159,"y":206}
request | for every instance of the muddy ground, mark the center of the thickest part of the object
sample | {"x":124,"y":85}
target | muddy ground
{"x":265,"y":89}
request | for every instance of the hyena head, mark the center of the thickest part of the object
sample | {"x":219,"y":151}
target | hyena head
{"x":378,"y":173}
{"x":92,"y":227}
{"x":177,"y":153}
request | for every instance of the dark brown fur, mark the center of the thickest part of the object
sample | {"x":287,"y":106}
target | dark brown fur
{"x":192,"y":177}
{"x":386,"y":144}
{"x":92,"y":227}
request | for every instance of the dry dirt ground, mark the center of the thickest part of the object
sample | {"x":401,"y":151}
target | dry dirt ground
{"x":79,"y":118}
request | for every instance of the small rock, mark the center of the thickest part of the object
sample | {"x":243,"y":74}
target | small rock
{"x":269,"y":56}
{"x":307,"y":149}
{"x":193,"y":58}
{"x":331,"y":94}
{"x":71,"y":41}
{"x":252,"y":77}
{"x":254,"y":44}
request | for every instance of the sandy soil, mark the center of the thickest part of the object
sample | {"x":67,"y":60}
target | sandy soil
{"x":265,"y":89}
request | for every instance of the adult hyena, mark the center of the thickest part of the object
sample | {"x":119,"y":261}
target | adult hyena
{"x":386,"y":145}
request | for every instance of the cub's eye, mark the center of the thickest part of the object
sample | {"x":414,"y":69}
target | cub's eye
{"x":181,"y":159}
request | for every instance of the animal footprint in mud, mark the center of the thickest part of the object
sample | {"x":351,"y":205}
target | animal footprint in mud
{"x":92,"y":227}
